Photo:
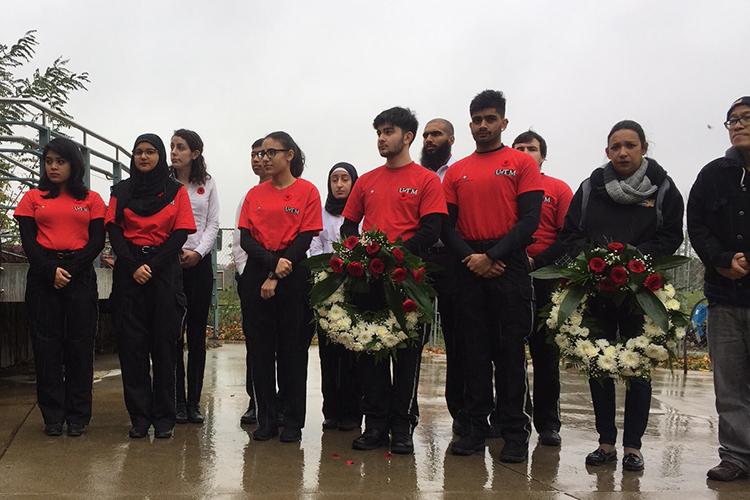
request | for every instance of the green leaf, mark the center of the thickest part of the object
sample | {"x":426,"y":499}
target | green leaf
{"x":358,"y":285}
{"x":653,"y":308}
{"x":395,"y":303}
{"x":325,"y":288}
{"x":419,"y":295}
{"x":553,"y":272}
{"x":570,"y":303}
{"x":317,"y":262}
{"x":669,"y":262}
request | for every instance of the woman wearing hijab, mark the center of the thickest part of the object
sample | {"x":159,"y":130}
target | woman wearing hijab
{"x":148,"y":220}
{"x":339,"y":380}
{"x":62,"y":231}
{"x":632,"y":200}
{"x":278,"y":220}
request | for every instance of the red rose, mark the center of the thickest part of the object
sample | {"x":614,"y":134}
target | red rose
{"x":653,"y":282}
{"x":399,"y":274}
{"x":377,"y":266}
{"x":372,"y":248}
{"x":618,"y":275}
{"x":616,"y":246}
{"x":398,"y":254}
{"x":606,"y":286}
{"x":597,"y":265}
{"x":337,"y":265}
{"x":351,"y":242}
{"x":636,"y":266}
{"x":409,"y":305}
{"x":419,"y":274}
{"x":356,"y":269}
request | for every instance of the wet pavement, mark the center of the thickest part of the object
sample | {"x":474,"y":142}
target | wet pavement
{"x":220,"y":459}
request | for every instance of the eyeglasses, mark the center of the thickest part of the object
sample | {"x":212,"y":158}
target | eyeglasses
{"x":270,"y":152}
{"x":732,"y":122}
{"x":147,"y":152}
{"x":256,"y":154}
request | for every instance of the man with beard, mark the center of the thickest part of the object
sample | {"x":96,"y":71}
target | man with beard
{"x":438,"y":138}
{"x":494,"y":199}
{"x":403,"y":200}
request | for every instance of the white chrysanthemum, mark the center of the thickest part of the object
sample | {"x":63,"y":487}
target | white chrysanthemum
{"x":556,"y":298}
{"x":661,"y":294}
{"x":670,"y":290}
{"x":321,"y":276}
{"x":412,"y":319}
{"x":601,"y":343}
{"x":576,"y":318}
{"x":672,"y":305}
{"x":323,"y":323}
{"x":607,"y":363}
{"x":401,"y":335}
{"x":629,"y":359}
{"x":630,"y":344}
{"x":641,"y":341}
{"x":657,"y":352}
{"x":382,"y":332}
{"x":650,"y":329}
{"x":611,"y":351}
{"x":671,"y":345}
{"x":586,"y":349}
{"x":583,"y":332}
{"x":679,"y":333}
{"x":562,"y":341}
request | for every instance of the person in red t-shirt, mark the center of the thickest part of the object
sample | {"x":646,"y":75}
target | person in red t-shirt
{"x":405,"y":201}
{"x":278,"y":220}
{"x":545,"y":356}
{"x":494,"y":198}
{"x":148,"y":220}
{"x":62,"y":231}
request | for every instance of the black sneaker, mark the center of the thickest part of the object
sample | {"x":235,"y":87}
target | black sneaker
{"x":53,"y":430}
{"x":370,"y":440}
{"x":138,"y":432}
{"x":468,"y":444}
{"x":726,"y":471}
{"x":550,"y":438}
{"x":75,"y":430}
{"x":249,"y":417}
{"x":164,"y":433}
{"x":265,"y":433}
{"x":291,"y":435}
{"x":402,"y":444}
{"x":181,"y":415}
{"x":194,"y":415}
{"x":632,"y":462}
{"x":514,"y":452}
{"x":330,"y":424}
{"x":601,"y":457}
{"x":459,"y":428}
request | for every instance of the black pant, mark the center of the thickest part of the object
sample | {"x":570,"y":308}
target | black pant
{"x":244,"y":309}
{"x":198,"y":284}
{"x":147,"y":321}
{"x":391,"y":401}
{"x":620,"y":322}
{"x":444,"y":282}
{"x":63,"y":326}
{"x":279,"y":335}
{"x":545,"y":357}
{"x":496,"y":315}
{"x":339,"y":381}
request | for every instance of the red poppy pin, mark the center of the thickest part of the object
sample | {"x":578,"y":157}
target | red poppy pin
{"x":201,"y":190}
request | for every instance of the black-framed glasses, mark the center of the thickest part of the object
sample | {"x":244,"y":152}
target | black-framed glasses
{"x":256,"y":154}
{"x":732,"y":122}
{"x":270,"y":152}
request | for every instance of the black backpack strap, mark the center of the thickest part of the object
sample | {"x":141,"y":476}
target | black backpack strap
{"x":660,"y":194}
{"x":585,"y":194}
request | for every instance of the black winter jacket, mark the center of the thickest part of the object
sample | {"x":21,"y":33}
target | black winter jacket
{"x":606,"y":220}
{"x":719,"y":224}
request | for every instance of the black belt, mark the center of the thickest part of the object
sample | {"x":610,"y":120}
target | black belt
{"x":481,"y":245}
{"x":145,"y":249}
{"x":437,"y":250}
{"x":61,"y":254}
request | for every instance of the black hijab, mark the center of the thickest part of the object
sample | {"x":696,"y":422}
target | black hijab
{"x":335,"y":206}
{"x":146,"y":193}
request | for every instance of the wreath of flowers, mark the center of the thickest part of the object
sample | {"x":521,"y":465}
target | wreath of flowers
{"x":618,"y":273}
{"x":370,"y":264}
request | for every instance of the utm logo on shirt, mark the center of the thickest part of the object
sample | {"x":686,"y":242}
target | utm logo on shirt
{"x":291,"y":210}
{"x":505,"y":171}
{"x":79,"y":208}
{"x":412,"y":191}
{"x":547,"y":199}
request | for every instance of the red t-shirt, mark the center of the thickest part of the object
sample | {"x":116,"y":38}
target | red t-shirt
{"x":557,"y":196}
{"x":393,"y":200}
{"x":155,"y":229}
{"x":275,"y":217}
{"x":62,"y":222}
{"x":484,"y":187}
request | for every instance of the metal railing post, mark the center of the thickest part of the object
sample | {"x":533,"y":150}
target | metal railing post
{"x":44,"y":138}
{"x":86,"y":153}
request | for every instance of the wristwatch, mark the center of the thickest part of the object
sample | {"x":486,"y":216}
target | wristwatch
{"x":273,"y":276}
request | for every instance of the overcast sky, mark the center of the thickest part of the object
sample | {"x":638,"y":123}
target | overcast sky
{"x":236,"y":70}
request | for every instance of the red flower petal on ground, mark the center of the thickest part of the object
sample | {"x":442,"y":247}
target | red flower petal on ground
{"x":597,"y":265}
{"x":398,"y":254}
{"x":350,"y":462}
{"x":377,"y":266}
{"x":387,"y":454}
{"x":409,"y":305}
{"x":372,"y":248}
{"x":419,"y":274}
{"x":616,"y":246}
{"x":336,"y":456}
{"x":636,"y":266}
{"x":337,"y":265}
{"x":399,"y":274}
{"x":618,"y":275}
{"x":351,"y":242}
{"x":355,"y":269}
{"x":653,"y":282}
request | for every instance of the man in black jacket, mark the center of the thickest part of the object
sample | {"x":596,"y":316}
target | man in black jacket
{"x":719,"y":228}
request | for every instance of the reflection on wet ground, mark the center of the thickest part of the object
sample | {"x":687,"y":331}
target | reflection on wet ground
{"x":221,"y":459}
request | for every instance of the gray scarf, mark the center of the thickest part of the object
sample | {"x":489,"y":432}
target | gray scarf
{"x":632,"y":190}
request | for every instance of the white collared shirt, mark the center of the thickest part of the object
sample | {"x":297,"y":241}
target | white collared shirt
{"x":205,"y":202}
{"x":323,"y":242}
{"x":442,"y":170}
{"x":238,"y":254}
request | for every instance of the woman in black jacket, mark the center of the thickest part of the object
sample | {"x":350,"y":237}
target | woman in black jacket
{"x":632,"y":200}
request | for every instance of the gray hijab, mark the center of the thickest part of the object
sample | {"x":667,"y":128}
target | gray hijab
{"x":632,"y":190}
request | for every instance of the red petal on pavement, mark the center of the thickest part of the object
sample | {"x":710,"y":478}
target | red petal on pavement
{"x":335,"y":456}
{"x":387,"y":454}
{"x":350,"y":462}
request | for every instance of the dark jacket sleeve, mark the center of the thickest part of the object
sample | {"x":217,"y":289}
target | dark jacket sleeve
{"x":520,"y":235}
{"x":168,"y":250}
{"x":297,"y":250}
{"x":349,"y":228}
{"x":708,"y":247}
{"x":33,"y":250}
{"x":85,"y":256}
{"x":121,"y":248}
{"x":669,"y":236}
{"x":572,"y":239}
{"x":427,"y":234}
{"x":450,"y":236}
{"x":550,"y":254}
{"x":256,"y":252}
